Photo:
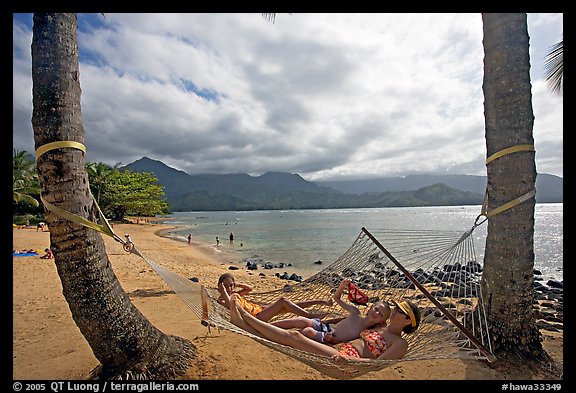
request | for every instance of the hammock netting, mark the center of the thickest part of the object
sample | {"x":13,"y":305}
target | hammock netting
{"x":437,"y":270}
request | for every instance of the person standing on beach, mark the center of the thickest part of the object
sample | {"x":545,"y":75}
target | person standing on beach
{"x":231,"y":237}
{"x":189,"y":238}
{"x":227,"y":285}
{"x":217,"y":241}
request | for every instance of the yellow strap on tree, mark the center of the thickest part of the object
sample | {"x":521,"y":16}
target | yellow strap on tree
{"x":105,"y":228}
{"x":509,"y":150}
{"x":57,"y":145}
{"x":513,"y":202}
{"x":506,"y":206}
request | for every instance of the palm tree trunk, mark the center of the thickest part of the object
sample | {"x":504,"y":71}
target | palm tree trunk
{"x":508,"y":278}
{"x":122,"y":339}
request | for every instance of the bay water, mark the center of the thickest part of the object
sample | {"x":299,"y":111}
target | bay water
{"x":302,"y":238}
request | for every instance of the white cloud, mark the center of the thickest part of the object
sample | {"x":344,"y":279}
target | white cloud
{"x":322,"y":95}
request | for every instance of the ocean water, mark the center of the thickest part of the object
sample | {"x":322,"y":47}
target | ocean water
{"x":303,"y":237}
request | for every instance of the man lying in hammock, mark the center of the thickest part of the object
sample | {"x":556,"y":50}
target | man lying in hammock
{"x":382,"y":342}
{"x":227,"y":286}
{"x":345,"y":329}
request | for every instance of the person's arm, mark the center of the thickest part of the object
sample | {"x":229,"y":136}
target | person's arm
{"x":244,"y":288}
{"x":330,"y":339}
{"x":224,"y":298}
{"x":333,"y":321}
{"x":338,"y":295}
{"x":395,"y":351}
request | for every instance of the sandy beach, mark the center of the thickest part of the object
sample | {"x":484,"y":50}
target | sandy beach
{"x":47,"y":344}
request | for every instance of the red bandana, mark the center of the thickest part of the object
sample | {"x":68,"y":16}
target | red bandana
{"x":355,"y":295}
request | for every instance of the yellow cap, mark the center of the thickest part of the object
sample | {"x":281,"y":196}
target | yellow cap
{"x":405,"y":307}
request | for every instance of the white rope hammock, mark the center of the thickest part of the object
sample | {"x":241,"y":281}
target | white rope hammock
{"x":438,"y":270}
{"x":443,"y":280}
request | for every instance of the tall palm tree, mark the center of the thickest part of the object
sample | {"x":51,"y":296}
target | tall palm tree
{"x":126,"y":344}
{"x":508,"y":277}
{"x":24,"y":179}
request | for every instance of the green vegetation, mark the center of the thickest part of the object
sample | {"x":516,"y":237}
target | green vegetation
{"x":26,"y":208}
{"x":117,"y":192}
{"x":132,"y":193}
{"x":122,"y":192}
{"x":25,"y":184}
{"x":554,"y":65}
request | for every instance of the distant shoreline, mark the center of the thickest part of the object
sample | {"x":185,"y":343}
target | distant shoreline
{"x":168,"y":234}
{"x":231,"y":258}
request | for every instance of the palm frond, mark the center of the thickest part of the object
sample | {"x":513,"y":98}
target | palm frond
{"x":25,"y":199}
{"x":554,"y":66}
{"x":269,"y":17}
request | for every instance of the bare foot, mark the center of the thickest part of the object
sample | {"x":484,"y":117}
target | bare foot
{"x":330,"y":301}
{"x":239,"y":309}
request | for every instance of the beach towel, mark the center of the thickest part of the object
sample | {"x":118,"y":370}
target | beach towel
{"x":24,"y":254}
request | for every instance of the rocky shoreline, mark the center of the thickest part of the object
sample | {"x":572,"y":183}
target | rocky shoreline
{"x":548,"y":297}
{"x":549,"y":303}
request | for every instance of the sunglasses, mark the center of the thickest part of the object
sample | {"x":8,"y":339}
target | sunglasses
{"x":399,"y":311}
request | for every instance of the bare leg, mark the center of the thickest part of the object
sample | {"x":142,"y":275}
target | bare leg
{"x":282,"y":306}
{"x":305,"y":304}
{"x":293,"y":323}
{"x":333,"y":321}
{"x":287,"y":337}
{"x":311,"y":334}
{"x":237,"y":319}
{"x":298,"y":310}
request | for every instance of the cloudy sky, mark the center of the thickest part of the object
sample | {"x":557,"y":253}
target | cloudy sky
{"x":327,"y":96}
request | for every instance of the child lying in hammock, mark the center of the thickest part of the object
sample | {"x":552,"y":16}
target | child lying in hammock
{"x":382,"y":342}
{"x":227,"y":284}
{"x":345,"y":329}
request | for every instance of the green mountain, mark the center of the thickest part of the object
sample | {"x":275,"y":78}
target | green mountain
{"x":549,"y":188}
{"x":278,"y":190}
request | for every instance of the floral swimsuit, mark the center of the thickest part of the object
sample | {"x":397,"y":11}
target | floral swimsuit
{"x":374,"y":342}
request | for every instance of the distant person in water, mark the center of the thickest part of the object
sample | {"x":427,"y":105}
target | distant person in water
{"x":217,"y":241}
{"x":230,"y":289}
{"x":231,"y":237}
{"x":189,"y":238}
